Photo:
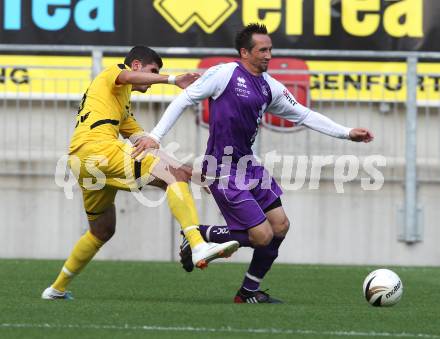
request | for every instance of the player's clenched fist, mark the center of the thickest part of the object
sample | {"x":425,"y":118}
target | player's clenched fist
{"x":361,"y":134}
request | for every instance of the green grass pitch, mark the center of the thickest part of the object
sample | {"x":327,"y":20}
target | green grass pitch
{"x":160,"y":300}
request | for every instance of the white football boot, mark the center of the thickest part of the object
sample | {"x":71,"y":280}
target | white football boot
{"x":51,"y":293}
{"x":206,"y":252}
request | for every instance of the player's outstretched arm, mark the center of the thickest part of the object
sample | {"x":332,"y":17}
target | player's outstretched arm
{"x":141,"y":78}
{"x":286,"y":106}
{"x":323,"y":124}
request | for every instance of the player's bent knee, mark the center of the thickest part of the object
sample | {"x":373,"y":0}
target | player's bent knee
{"x":282,"y":229}
{"x":261,"y":240}
{"x":108,"y":233}
{"x":103,"y":233}
{"x":104,"y":227}
{"x":266,"y":241}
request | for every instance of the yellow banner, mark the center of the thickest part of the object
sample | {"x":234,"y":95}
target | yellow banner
{"x":371,"y":81}
{"x":38,"y":75}
{"x":66,"y":76}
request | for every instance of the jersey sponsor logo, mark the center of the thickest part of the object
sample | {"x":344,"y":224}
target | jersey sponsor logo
{"x":241,"y":88}
{"x":241,"y":82}
{"x":288,"y":97}
{"x":209,"y":15}
{"x":242,"y":92}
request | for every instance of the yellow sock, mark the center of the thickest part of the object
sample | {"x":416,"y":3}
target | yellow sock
{"x":183,"y":208}
{"x":85,"y":249}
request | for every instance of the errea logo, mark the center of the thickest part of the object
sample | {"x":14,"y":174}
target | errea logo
{"x":241,"y":89}
{"x":182,"y":14}
{"x":241,"y":82}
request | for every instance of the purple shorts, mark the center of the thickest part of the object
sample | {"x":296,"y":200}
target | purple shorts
{"x":242,"y":199}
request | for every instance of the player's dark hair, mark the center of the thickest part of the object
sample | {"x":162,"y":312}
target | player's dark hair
{"x":243,"y":39}
{"x":145,"y":55}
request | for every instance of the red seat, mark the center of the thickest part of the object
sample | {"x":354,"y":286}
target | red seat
{"x":296,"y":83}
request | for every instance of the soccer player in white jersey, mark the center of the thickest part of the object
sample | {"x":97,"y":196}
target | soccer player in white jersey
{"x":239,"y":93}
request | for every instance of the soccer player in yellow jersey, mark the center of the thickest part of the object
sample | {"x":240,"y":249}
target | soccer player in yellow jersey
{"x":104,"y":164}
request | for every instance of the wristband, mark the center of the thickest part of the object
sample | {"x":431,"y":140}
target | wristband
{"x":172,"y":79}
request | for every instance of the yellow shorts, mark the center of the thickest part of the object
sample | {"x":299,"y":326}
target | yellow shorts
{"x":103,"y":168}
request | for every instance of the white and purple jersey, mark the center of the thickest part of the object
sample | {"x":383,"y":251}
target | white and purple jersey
{"x":236,"y":108}
{"x":237,"y":102}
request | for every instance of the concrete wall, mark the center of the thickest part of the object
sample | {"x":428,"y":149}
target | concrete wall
{"x":356,"y":227}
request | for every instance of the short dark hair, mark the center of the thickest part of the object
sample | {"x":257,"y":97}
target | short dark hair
{"x":144,"y":54}
{"x":243,"y":39}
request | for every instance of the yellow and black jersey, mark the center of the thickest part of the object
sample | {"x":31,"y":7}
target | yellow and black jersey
{"x":104,"y":111}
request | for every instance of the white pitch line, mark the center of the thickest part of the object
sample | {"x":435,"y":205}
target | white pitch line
{"x":224,"y":330}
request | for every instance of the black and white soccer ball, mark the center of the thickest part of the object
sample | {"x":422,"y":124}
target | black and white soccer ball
{"x":383,"y":287}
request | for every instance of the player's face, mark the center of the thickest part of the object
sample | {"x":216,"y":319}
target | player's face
{"x":149,"y":68}
{"x":259,"y":56}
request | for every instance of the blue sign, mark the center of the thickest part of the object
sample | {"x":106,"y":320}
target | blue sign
{"x":54,"y":15}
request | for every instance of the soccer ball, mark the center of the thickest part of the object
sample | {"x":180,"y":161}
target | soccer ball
{"x":383,"y":287}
